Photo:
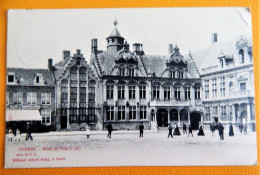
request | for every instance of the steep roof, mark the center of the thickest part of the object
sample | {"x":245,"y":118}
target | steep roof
{"x":115,"y":33}
{"x":26,"y":76}
{"x":208,"y":57}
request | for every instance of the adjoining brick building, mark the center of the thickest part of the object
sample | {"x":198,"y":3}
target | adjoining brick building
{"x":30,"y":96}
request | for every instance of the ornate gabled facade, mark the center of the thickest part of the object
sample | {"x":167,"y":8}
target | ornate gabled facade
{"x":146,"y":88}
{"x":77,"y":91}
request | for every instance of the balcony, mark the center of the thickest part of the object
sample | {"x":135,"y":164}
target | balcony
{"x":169,"y":102}
{"x":245,"y":93}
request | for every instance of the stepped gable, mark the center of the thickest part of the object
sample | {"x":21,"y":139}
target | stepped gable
{"x":208,"y":57}
{"x":26,"y":77}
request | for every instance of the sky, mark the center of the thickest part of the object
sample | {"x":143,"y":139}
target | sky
{"x":34,"y":36}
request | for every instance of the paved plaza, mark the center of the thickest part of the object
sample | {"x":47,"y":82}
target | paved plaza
{"x":127,"y":149}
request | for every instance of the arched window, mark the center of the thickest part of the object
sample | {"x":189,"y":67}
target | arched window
{"x":83,"y":73}
{"x":73,"y":73}
{"x":221,"y":63}
{"x":241,"y":56}
{"x":231,"y":88}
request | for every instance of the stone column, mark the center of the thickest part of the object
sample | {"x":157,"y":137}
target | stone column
{"x":188,"y":116}
{"x":248,"y":113}
{"x":179,"y":117}
{"x":169,"y":116}
{"x":233,"y":113}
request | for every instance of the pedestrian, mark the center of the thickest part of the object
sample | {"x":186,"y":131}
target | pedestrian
{"x":221,"y":131}
{"x":170,"y":130}
{"x":141,"y":129}
{"x":245,"y":129}
{"x":18,"y":135}
{"x":176,"y":130}
{"x":109,"y":129}
{"x":184,"y":128}
{"x":190,"y":131}
{"x":231,"y":132}
{"x":87,"y":131}
{"x":29,"y":132}
{"x":212,"y":128}
{"x":240,"y":128}
{"x":201,"y":132}
{"x":10,"y":135}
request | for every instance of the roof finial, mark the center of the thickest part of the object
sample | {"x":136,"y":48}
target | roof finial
{"x":115,"y":22}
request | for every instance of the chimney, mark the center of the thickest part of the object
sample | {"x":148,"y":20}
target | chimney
{"x":66,"y":54}
{"x":138,"y":49}
{"x":126,"y":46}
{"x":214,"y":38}
{"x":94,"y":46}
{"x":49,"y":63}
{"x":170,"y":49}
{"x":78,"y":51}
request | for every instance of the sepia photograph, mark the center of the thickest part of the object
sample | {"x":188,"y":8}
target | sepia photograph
{"x":130,"y":87}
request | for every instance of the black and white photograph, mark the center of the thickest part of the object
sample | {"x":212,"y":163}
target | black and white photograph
{"x":130,"y":87}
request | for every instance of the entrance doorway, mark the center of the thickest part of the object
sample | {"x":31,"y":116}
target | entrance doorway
{"x":194,"y":120}
{"x":162,"y":118}
{"x":174,"y":115}
{"x":63,"y":122}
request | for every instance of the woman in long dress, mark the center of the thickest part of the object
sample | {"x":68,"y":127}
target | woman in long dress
{"x":10,"y":135}
{"x":201,"y":132}
{"x":176,"y":130}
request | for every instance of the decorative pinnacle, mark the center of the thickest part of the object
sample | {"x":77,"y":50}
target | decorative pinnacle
{"x":115,"y":22}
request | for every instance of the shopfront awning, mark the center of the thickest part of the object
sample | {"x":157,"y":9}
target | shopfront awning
{"x":23,"y":115}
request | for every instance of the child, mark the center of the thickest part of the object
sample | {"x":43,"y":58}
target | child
{"x":87,"y":131}
{"x":18,"y":135}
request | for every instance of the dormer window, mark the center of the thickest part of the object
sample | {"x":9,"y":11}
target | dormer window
{"x":172,"y":74}
{"x":131,"y":72}
{"x":221,"y":63}
{"x":10,"y":78}
{"x":78,"y":61}
{"x":241,"y":56}
{"x":38,"y":79}
{"x":122,"y":72}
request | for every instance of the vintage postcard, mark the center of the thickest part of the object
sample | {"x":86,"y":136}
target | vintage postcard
{"x":130,"y":87}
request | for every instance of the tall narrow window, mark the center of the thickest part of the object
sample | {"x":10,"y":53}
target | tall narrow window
{"x":180,"y":74}
{"x":215,"y":110}
{"x":223,"y":113}
{"x":172,"y":74}
{"x":121,"y":72}
{"x":177,"y":93}
{"x":110,"y":91}
{"x":31,"y":97}
{"x":18,"y":97}
{"x":131,"y":72}
{"x":187,"y":93}
{"x":206,"y":87}
{"x":132,"y":112}
{"x":121,"y":112}
{"x":73,"y":73}
{"x":241,"y":56}
{"x":46,"y":116}
{"x":7,"y":98}
{"x":143,"y":113}
{"x":197,"y":92}
{"x":156,"y":92}
{"x":73,"y":115}
{"x":167,"y":92}
{"x":121,"y":91}
{"x":46,"y":98}
{"x":142,"y":91}
{"x":207,"y":116}
{"x":214,"y":87}
{"x":110,"y":113}
{"x":242,"y":86}
{"x":131,"y":91}
{"x":222,"y":87}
